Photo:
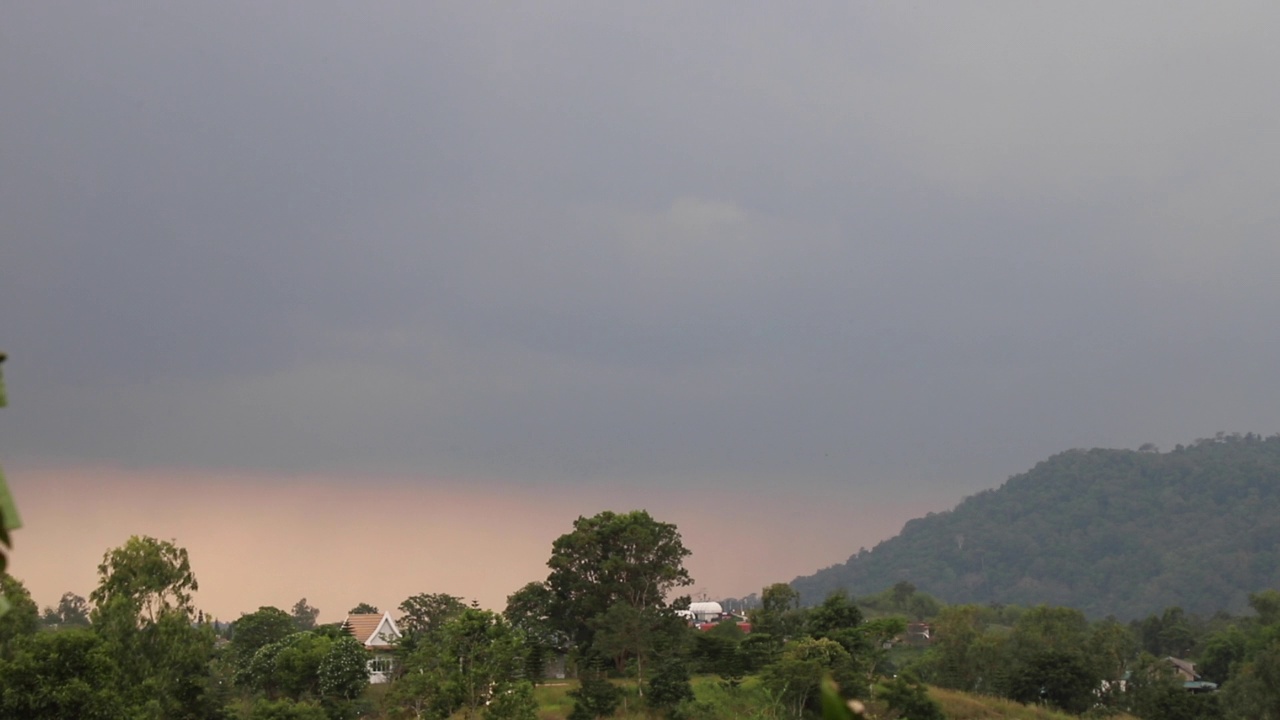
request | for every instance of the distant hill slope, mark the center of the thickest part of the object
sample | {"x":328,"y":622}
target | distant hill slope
{"x":1111,"y":532}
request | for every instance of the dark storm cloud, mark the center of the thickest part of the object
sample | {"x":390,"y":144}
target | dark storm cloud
{"x":880,"y":245}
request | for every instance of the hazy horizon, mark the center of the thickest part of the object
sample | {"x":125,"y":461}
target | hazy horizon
{"x":268,"y":540}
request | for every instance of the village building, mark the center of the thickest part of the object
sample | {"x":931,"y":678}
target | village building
{"x":379,"y":635}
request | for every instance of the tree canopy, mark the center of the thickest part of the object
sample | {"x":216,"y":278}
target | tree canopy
{"x":425,"y":614}
{"x":72,"y":611}
{"x":613,"y":558}
{"x":475,"y":657}
{"x":146,"y":577}
{"x":257,"y":629}
{"x":304,"y":615}
{"x":144,"y":615}
{"x":23,"y":616}
{"x":149,"y":654}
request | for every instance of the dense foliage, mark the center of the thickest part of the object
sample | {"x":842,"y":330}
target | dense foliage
{"x":613,"y":560}
{"x":1111,"y":532}
{"x":147,"y":653}
{"x":606,"y":596}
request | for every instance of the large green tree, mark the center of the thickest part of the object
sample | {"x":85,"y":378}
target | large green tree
{"x":836,"y":618}
{"x":143,"y":612}
{"x":1061,"y":678}
{"x":797,"y":676}
{"x":307,"y":665}
{"x":67,"y":674}
{"x":1049,"y":628}
{"x":1169,"y":633}
{"x":779,"y":598}
{"x":304,"y":615}
{"x":1111,"y":647}
{"x":876,"y":638}
{"x":630,"y":634}
{"x":779,"y":614}
{"x":612,"y":558}
{"x":1254,"y":691}
{"x":23,"y":617}
{"x":258,"y":629}
{"x":965,"y":656}
{"x":425,"y":614}
{"x":72,"y":611}
{"x":530,"y":609}
{"x":145,"y":578}
{"x":475,"y":658}
{"x":1222,"y":650}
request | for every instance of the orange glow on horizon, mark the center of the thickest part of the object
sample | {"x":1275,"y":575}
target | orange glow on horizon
{"x":269,"y":539}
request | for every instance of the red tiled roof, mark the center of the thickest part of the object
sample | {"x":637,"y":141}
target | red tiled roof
{"x":362,"y":626}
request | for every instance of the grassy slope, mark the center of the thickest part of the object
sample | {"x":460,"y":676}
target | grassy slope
{"x":963,"y":706}
{"x":747,"y":702}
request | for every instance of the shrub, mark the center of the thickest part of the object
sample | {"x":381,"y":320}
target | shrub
{"x":595,"y":698}
{"x":670,"y":686}
{"x":517,"y":703}
{"x":265,"y":709}
{"x":908,"y":698}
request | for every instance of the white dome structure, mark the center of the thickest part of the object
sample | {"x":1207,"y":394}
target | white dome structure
{"x":706,"y":611}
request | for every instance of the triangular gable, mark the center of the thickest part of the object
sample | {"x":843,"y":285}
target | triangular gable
{"x":1185,"y":668}
{"x":385,"y":634}
{"x":372,"y":630}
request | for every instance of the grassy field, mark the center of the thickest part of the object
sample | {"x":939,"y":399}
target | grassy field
{"x":963,"y":706}
{"x":715,"y":701}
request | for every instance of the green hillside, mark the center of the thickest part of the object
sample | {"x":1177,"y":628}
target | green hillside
{"x":1112,"y":532}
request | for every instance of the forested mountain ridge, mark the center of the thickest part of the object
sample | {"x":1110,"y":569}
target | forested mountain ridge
{"x":1112,"y":532}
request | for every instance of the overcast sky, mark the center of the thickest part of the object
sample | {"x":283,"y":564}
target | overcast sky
{"x":866,"y":252}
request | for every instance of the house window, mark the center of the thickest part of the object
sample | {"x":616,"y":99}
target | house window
{"x":380,"y":664}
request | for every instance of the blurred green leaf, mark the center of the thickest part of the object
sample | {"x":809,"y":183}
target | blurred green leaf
{"x":9,"y":519}
{"x":835,"y":707}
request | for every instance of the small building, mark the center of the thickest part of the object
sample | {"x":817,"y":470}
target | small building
{"x":706,"y":611}
{"x":379,"y":635}
{"x":1191,"y":680}
{"x":918,"y":634}
{"x":1183,"y":670}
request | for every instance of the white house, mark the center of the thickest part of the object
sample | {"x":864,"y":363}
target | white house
{"x":378,"y":634}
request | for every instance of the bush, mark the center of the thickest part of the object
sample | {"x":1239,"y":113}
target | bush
{"x":265,"y":709}
{"x":1062,"y":679}
{"x":795,"y":678}
{"x":516,"y":703}
{"x":908,"y":698}
{"x":670,"y":686}
{"x":342,"y":672}
{"x":595,"y":698}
